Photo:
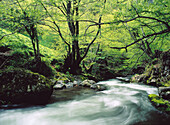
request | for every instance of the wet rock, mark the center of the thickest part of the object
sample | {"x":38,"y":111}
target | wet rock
{"x":19,"y":86}
{"x":99,"y":87}
{"x":87,"y":83}
{"x":59,"y":86}
{"x":153,"y":80}
{"x":124,"y":79}
{"x":76,"y":83}
{"x":164,"y":92}
{"x":137,"y":78}
{"x":157,"y":73}
{"x":60,"y":82}
{"x":69,"y":85}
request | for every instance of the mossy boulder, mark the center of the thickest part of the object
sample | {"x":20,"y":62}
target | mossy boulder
{"x":160,"y":103}
{"x":42,"y":67}
{"x":157,"y":72}
{"x":20,"y":86}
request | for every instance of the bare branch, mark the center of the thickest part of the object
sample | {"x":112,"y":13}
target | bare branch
{"x":4,"y":62}
{"x":7,"y":35}
{"x":129,"y":20}
{"x":58,"y":28}
{"x":147,"y":36}
{"x":137,"y":60}
{"x":92,"y":40}
{"x":87,"y":49}
{"x":91,"y":21}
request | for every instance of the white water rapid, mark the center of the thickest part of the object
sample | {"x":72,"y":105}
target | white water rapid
{"x":122,"y":104}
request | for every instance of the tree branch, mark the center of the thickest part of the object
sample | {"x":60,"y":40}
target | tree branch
{"x":129,"y":20}
{"x":87,"y":49}
{"x":92,"y":40}
{"x":59,"y":31}
{"x":136,"y":41}
{"x":8,"y":35}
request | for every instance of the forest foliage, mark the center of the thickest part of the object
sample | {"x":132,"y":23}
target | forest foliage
{"x":76,"y":35}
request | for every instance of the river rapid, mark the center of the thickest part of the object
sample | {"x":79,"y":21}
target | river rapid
{"x":122,"y":104}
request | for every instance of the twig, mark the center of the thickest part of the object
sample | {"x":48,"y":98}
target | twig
{"x":4,"y":63}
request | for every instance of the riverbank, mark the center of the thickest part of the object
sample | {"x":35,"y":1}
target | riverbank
{"x":157,"y":73}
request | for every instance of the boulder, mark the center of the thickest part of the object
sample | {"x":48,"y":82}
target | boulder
{"x":99,"y":87}
{"x":124,"y":79}
{"x":59,"y":86}
{"x":87,"y":83}
{"x":164,"y":92}
{"x":20,"y":86}
{"x":157,"y":72}
{"x":93,"y":85}
{"x":62,"y":84}
{"x":137,"y":78}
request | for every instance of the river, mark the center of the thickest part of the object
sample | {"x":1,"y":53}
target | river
{"x":122,"y":104}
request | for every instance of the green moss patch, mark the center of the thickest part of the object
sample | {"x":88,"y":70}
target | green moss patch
{"x":23,"y":86}
{"x":160,"y":103}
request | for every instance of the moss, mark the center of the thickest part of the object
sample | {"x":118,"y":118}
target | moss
{"x":65,"y":77}
{"x":20,"y":85}
{"x":43,"y":68}
{"x":160,"y":103}
{"x":148,"y":71}
{"x":167,"y":84}
{"x":19,"y":74}
{"x":153,"y":96}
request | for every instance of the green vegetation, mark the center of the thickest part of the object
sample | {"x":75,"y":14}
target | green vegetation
{"x":21,"y":54}
{"x":76,"y":35}
{"x":160,"y":103}
{"x":156,"y":72}
{"x":98,"y":39}
{"x":23,"y":86}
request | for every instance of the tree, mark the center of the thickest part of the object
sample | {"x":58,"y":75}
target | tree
{"x":135,"y":27}
{"x":138,"y":26}
{"x":23,"y":16}
{"x":72,"y":10}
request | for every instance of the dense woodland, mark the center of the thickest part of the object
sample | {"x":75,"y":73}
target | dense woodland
{"x":78,"y":34}
{"x":98,"y":39}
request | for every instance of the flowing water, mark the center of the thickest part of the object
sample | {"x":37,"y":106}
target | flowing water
{"x":121,"y":104}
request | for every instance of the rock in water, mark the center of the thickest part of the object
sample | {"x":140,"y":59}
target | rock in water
{"x":59,"y":86}
{"x":99,"y":87}
{"x":87,"y":83}
{"x":20,"y":86}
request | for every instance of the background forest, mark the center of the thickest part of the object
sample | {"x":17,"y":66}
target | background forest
{"x":101,"y":38}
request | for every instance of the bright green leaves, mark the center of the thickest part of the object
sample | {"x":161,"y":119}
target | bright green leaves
{"x":160,"y":103}
{"x":113,"y":32}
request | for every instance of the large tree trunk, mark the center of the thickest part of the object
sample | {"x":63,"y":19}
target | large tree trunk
{"x":72,"y":65}
{"x":73,"y":59}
